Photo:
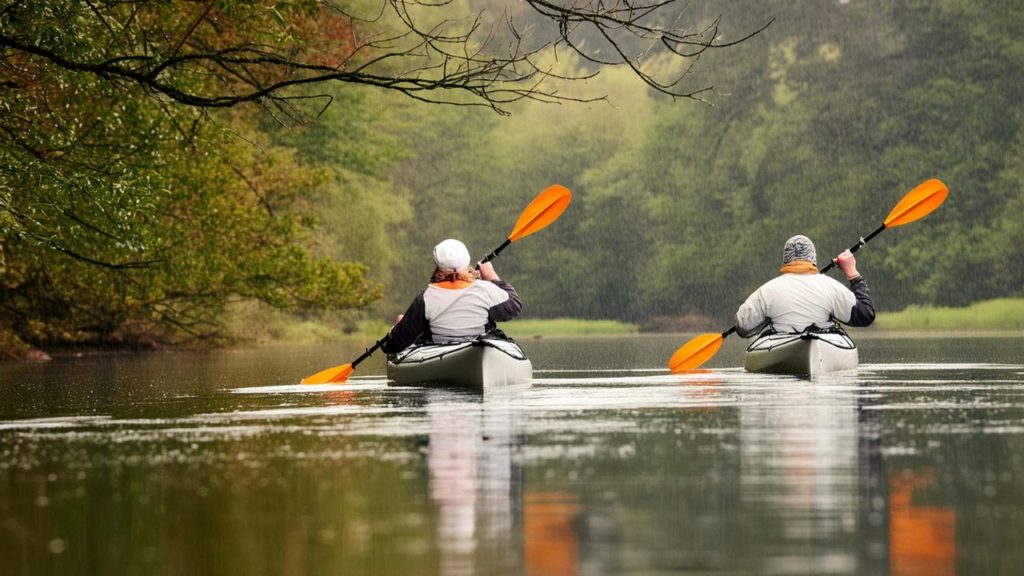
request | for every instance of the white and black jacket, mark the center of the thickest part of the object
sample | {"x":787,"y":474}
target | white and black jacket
{"x":795,"y":302}
{"x":450,"y":312}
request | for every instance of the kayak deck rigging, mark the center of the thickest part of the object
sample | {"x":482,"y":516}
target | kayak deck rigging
{"x":809,"y":353}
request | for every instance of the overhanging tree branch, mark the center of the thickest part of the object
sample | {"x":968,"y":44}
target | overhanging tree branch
{"x":416,"y":48}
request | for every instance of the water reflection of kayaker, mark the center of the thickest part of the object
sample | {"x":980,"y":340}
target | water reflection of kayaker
{"x":457,"y":304}
{"x":801,"y":297}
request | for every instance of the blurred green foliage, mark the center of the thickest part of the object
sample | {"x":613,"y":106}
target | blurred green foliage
{"x":820,"y":125}
{"x":126,"y":217}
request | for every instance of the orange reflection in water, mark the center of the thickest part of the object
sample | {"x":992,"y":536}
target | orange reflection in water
{"x":922,"y":539}
{"x":342,"y":396}
{"x":551,"y":543}
{"x":702,"y":390}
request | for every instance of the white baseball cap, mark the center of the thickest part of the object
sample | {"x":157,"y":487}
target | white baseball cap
{"x":451,"y":254}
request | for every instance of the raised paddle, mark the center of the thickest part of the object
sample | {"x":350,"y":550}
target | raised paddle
{"x":918,"y":203}
{"x":545,"y":209}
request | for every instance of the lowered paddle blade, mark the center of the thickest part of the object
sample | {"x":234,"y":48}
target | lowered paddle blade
{"x":918,"y":203}
{"x":335,"y":374}
{"x":340,"y":377}
{"x":695,"y":352}
{"x":545,"y":209}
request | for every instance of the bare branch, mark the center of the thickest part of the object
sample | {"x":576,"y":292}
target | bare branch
{"x":428,"y":54}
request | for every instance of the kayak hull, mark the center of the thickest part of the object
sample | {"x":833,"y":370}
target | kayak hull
{"x":807,"y":354}
{"x":481,"y":364}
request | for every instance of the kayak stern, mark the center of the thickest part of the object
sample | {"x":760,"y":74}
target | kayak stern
{"x":478,"y":365}
{"x":809,"y":354}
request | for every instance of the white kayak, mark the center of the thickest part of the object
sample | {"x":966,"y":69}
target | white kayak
{"x":479,"y":364}
{"x":805,"y":354}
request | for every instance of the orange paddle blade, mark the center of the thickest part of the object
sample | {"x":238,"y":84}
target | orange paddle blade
{"x":918,"y":203}
{"x":545,"y":209}
{"x":335,"y":374}
{"x":695,"y":352}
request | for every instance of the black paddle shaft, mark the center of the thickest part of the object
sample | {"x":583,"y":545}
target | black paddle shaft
{"x":856,"y":246}
{"x":368,"y":352}
{"x":496,"y":251}
{"x":853,"y":248}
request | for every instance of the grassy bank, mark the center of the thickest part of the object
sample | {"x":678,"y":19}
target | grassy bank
{"x":1005,"y":314}
{"x":532,"y":328}
{"x":310,"y":332}
{"x":250,"y":323}
{"x":269,"y":327}
{"x":1000,"y":314}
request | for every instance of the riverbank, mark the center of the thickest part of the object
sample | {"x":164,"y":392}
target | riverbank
{"x":316,"y":332}
{"x":991,"y":315}
{"x":1002,"y":317}
{"x":547,"y":327}
{"x":992,"y":318}
{"x":999,"y":317}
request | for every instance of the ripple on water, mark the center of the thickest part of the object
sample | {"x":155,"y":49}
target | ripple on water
{"x":370,"y":407}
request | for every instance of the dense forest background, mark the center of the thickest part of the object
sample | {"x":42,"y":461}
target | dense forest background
{"x":823,"y":122}
{"x":816,"y":125}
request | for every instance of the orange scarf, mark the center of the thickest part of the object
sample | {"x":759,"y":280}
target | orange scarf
{"x":453,"y":284}
{"x":799,"y":267}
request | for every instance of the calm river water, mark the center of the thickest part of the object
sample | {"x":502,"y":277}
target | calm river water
{"x":219,"y":463}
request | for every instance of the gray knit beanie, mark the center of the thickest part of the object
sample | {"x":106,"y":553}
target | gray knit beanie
{"x":799,"y":248}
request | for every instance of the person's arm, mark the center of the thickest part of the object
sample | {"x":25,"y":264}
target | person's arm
{"x":408,"y":328}
{"x":510,"y":306}
{"x":751,"y":317}
{"x":508,"y":309}
{"x":863,"y":311}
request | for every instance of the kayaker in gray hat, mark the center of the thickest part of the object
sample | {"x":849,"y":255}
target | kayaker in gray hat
{"x":802,"y":298}
{"x":457,"y":305}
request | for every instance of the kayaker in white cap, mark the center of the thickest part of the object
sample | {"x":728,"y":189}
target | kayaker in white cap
{"x":456,"y":305}
{"x":801,"y":298}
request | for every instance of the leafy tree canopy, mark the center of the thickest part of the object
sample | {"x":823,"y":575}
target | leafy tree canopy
{"x":138,"y":199}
